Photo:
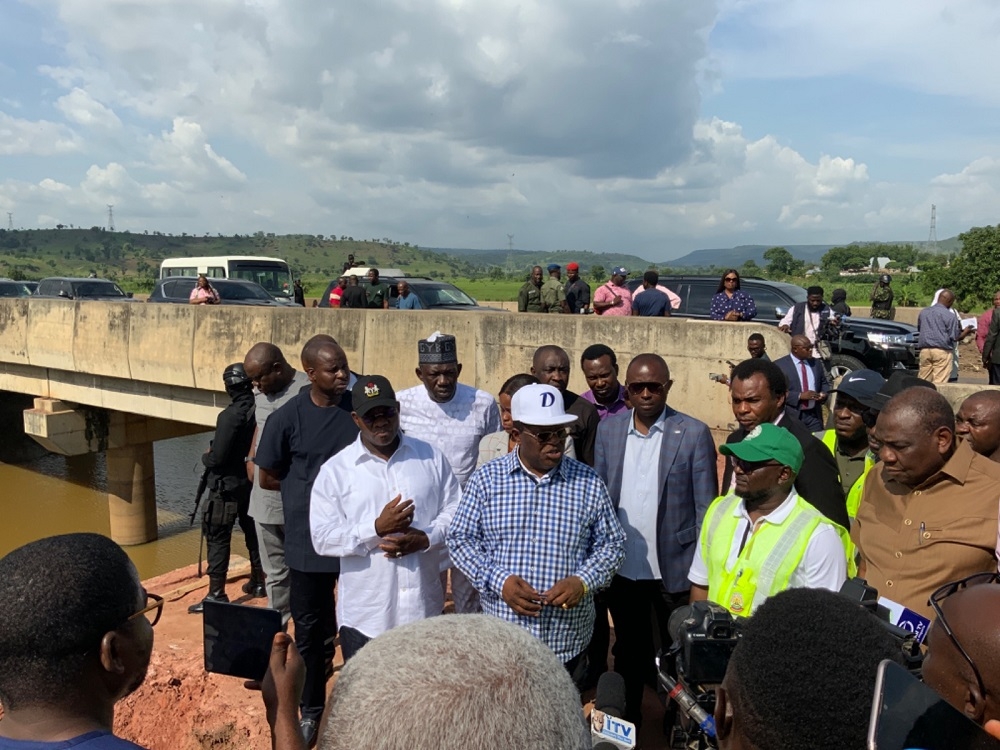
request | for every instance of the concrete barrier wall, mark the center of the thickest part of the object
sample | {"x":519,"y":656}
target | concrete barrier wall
{"x":182,"y":347}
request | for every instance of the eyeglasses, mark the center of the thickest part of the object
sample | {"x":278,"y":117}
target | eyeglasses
{"x":731,"y":278}
{"x":656,"y":389}
{"x":152,"y":610}
{"x":953,"y":588}
{"x":549,"y":436}
{"x":749,"y":467}
{"x":387,"y":413}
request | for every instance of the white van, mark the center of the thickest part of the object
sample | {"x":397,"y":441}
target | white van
{"x":271,"y":273}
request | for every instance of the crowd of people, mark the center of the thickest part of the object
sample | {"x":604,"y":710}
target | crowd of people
{"x":549,"y":515}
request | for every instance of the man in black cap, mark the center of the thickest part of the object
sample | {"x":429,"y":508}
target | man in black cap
{"x":229,"y":496}
{"x":452,"y":417}
{"x":553,"y":293}
{"x":848,"y":440}
{"x":382,"y":505}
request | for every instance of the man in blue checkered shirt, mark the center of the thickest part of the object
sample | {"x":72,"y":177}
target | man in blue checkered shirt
{"x":535,"y":532}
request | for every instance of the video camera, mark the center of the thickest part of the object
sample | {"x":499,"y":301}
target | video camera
{"x":704,"y":635}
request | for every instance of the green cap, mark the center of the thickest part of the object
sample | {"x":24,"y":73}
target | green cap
{"x":768,"y":442}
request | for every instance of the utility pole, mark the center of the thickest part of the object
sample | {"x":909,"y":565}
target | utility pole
{"x":932,"y":235}
{"x":111,"y":217}
{"x":10,"y":221}
{"x":510,"y":252}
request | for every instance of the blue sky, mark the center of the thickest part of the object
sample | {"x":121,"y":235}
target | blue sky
{"x":649,"y":126}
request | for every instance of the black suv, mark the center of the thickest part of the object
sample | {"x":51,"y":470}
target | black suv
{"x":11,"y":288}
{"x":177,"y":290}
{"x":66,"y":287}
{"x":433,"y":295}
{"x":862,"y":343}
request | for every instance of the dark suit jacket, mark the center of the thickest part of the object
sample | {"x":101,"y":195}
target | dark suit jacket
{"x":794,"y":378}
{"x":690,"y":481}
{"x":818,"y":481}
{"x":585,"y":428}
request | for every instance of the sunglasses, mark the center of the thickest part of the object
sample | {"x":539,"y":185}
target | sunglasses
{"x":549,"y":436}
{"x":636,"y":389}
{"x":388,"y":412}
{"x":869,"y":416}
{"x":948,"y":590}
{"x":731,"y":278}
{"x":749,"y":467}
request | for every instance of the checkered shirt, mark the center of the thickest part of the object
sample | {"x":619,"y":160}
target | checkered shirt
{"x":510,"y":523}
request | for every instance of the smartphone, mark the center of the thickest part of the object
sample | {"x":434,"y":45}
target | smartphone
{"x":908,"y":715}
{"x":238,"y":638}
{"x":716,"y":377}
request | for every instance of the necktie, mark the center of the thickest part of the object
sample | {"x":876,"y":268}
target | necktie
{"x":805,"y":405}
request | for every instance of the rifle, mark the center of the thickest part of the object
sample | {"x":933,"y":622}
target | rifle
{"x":202,"y":485}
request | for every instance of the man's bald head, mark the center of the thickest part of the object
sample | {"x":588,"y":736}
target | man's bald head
{"x":978,"y":422}
{"x":313,"y":347}
{"x":652,"y":362}
{"x":947,"y":297}
{"x":800,"y":340}
{"x":973,"y":614}
{"x":551,"y":366}
{"x":921,"y":409}
{"x":917,"y":432}
{"x":267,"y":369}
{"x":263,"y":354}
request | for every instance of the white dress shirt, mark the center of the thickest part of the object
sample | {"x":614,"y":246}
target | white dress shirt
{"x":639,"y":500}
{"x":377,"y":593}
{"x":455,"y":427}
{"x":823,"y":566}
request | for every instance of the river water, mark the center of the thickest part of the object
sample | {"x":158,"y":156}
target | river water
{"x":58,"y":495}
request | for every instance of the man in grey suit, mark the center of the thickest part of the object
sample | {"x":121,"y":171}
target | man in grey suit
{"x":660,"y":469}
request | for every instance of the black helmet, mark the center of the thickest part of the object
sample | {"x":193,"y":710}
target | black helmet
{"x":885,"y":278}
{"x":235,"y":376}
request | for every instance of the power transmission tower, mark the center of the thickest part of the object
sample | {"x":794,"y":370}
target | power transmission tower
{"x":932,"y":235}
{"x":510,"y":252}
{"x":10,"y":221}
{"x":111,"y":217}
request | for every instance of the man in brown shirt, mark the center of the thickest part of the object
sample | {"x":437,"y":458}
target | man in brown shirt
{"x":928,"y":513}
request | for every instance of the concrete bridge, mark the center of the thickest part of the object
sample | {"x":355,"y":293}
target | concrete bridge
{"x":115,"y":377}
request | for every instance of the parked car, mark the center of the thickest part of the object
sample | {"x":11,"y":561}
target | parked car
{"x":31,"y":285}
{"x":11,"y":288}
{"x":433,"y":295}
{"x":177,"y":290}
{"x":66,"y":287}
{"x":861,"y":343}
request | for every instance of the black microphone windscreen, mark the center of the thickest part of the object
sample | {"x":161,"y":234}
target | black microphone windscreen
{"x":610,"y":697}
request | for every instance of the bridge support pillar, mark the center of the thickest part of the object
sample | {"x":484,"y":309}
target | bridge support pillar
{"x":127,"y":440}
{"x":132,"y":494}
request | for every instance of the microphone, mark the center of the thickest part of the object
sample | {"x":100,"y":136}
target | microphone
{"x":688,"y":704}
{"x":608,"y":731}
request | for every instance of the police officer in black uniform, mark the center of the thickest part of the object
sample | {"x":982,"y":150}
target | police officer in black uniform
{"x":229,"y":496}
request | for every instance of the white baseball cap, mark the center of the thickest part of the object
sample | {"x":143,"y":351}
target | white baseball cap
{"x":539,"y":405}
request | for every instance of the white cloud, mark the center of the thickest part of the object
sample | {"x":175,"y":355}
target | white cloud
{"x":83,"y":109}
{"x":571,"y":123}
{"x":185,"y":153}
{"x":35,"y":138}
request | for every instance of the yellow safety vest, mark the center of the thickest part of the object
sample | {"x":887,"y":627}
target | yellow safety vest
{"x":829,"y":438}
{"x":768,"y":559}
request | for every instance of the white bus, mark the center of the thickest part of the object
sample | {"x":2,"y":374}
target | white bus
{"x":271,"y":273}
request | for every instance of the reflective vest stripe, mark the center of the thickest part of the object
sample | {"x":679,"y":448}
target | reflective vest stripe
{"x":802,"y":525}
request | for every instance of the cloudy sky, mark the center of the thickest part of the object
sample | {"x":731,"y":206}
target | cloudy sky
{"x":647,"y":126}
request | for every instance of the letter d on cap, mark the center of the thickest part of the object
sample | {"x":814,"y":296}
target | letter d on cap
{"x":547,"y":400}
